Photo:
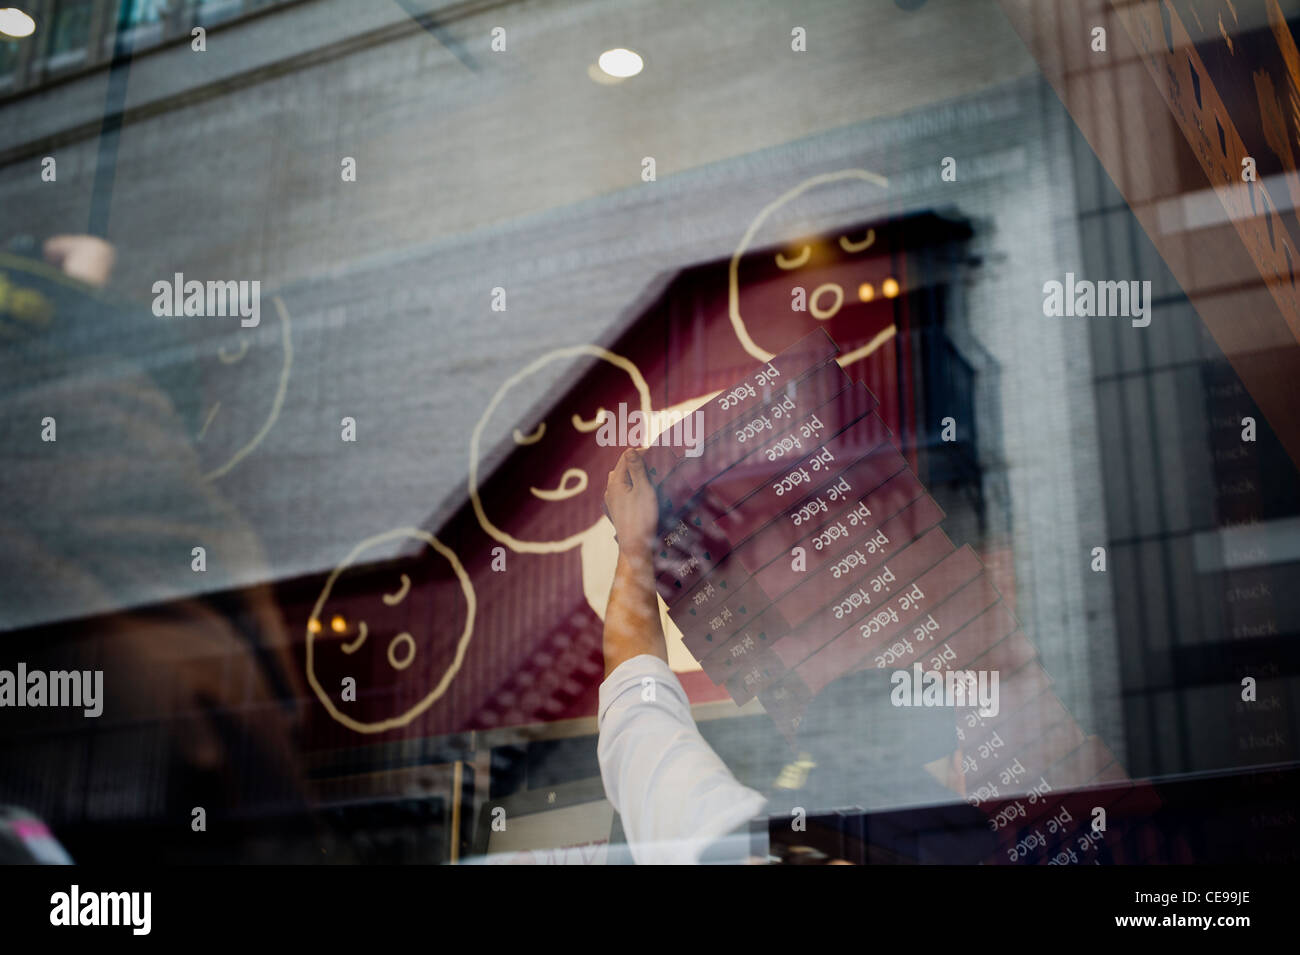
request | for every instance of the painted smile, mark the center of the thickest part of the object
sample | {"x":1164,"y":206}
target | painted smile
{"x":565,"y":490}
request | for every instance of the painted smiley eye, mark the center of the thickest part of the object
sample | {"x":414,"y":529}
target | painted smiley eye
{"x":586,"y":427}
{"x":797,"y":261}
{"x":848,"y":245}
{"x":229,"y":359}
{"x":521,"y":438}
{"x":355,"y":645}
{"x":392,"y":600}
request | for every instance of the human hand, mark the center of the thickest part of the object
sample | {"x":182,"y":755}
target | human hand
{"x":84,"y":257}
{"x":631,"y":504}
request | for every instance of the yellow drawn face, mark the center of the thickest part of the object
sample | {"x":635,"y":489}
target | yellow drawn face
{"x":399,"y":630}
{"x":546,"y":496}
{"x":838,"y":274}
{"x":243,"y":377}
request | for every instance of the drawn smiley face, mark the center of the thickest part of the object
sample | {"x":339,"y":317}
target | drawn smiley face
{"x":243,"y":375}
{"x":839,"y":275}
{"x":544,"y":501}
{"x":396,"y":630}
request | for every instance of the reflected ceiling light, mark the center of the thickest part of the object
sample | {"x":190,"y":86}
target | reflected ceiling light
{"x":13,"y":22}
{"x":866,"y":292}
{"x":620,"y":63}
{"x":889,"y":287}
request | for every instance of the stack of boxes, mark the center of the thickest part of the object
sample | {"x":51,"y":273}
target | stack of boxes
{"x":797,"y":546}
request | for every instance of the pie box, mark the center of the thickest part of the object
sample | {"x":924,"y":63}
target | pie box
{"x":873,"y":482}
{"x":811,"y":412}
{"x":1075,"y":843}
{"x":704,"y":596}
{"x":825,"y":627}
{"x":968,"y":645}
{"x":1071,"y":771}
{"x":682,"y":570}
{"x":695,"y":532}
{"x":754,"y":431}
{"x":685,"y":554}
{"x":806,"y":591}
{"x":1020,"y":691}
{"x":684,"y":573}
{"x":844,"y":581}
{"x":682,"y":533}
{"x":1014,"y":769}
{"x":746,"y":498}
{"x":973,"y":610}
{"x":691,"y":531}
{"x":707,"y":625}
{"x":806,"y":356}
{"x":746,"y":495}
{"x":844,"y":653}
{"x":1030,"y":813}
{"x":769,"y":556}
{"x":784,"y":709}
{"x":658,"y":459}
{"x":823,"y":443}
{"x":1014,"y":733}
{"x":1006,"y":657}
{"x":827,"y":589}
{"x":756,"y":388}
{"x":974,"y":730}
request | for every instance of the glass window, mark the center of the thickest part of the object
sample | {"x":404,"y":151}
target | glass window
{"x":957,"y":340}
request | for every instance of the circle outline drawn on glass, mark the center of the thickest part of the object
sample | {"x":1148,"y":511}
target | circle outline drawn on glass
{"x":733,"y":269}
{"x":467,"y":587}
{"x":277,"y":403}
{"x":496,"y":533}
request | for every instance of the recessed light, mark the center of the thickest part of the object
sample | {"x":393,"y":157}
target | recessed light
{"x":620,"y":63}
{"x":13,"y":22}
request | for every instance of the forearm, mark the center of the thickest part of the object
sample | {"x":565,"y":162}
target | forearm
{"x":632,"y":624}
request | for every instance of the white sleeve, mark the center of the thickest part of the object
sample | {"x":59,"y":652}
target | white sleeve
{"x":673,"y":792}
